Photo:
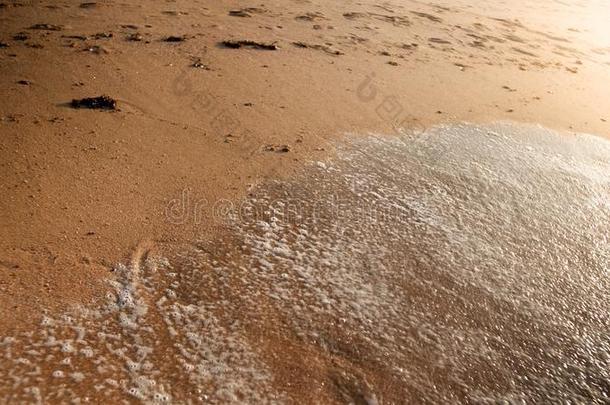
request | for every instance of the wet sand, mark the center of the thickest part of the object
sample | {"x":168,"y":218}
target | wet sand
{"x":82,"y":188}
{"x":403,"y":269}
{"x":200,"y":127}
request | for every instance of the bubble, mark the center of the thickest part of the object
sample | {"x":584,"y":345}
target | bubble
{"x":67,"y":347}
{"x":134,"y":392}
{"x":78,"y":377}
{"x":87,"y":352}
{"x":160,"y":397}
{"x":46,"y":321}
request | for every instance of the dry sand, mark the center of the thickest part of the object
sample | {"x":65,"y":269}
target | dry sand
{"x":82,"y":188}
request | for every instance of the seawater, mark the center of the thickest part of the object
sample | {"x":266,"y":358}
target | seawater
{"x":468,"y":263}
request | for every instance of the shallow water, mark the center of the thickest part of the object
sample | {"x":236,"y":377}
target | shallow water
{"x":467,"y":263}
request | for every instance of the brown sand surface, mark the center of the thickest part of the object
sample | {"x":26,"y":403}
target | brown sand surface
{"x":82,"y":188}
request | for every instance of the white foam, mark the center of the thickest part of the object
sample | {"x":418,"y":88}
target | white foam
{"x":468,"y":263}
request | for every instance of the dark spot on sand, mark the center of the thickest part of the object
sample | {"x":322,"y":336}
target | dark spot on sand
{"x":409,"y":46}
{"x":310,"y":17}
{"x":249,"y":44}
{"x":136,"y":37}
{"x":100,"y":103}
{"x":246,"y":12}
{"x":103,"y":35}
{"x":200,"y":65}
{"x":430,"y":17}
{"x":79,"y":37}
{"x":277,"y":148}
{"x":524,"y":52}
{"x":174,"y":13}
{"x":21,"y":36}
{"x":439,"y":41}
{"x":353,"y":15}
{"x":175,"y":38}
{"x":46,"y":27}
{"x":239,"y":13}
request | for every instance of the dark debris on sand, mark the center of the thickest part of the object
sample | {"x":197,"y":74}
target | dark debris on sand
{"x":21,"y":36}
{"x":100,"y":103}
{"x":249,"y":44}
{"x":75,"y":36}
{"x":135,"y":37}
{"x":240,"y":13}
{"x":197,"y":63}
{"x":175,"y":38}
{"x":246,"y":12}
{"x":103,"y":35}
{"x":277,"y":148}
{"x":46,"y":27}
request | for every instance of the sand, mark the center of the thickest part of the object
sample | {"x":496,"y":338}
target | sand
{"x":201,"y":124}
{"x":404,"y":269}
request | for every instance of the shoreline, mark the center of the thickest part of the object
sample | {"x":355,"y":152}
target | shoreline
{"x":411,"y":270}
{"x":85,"y":187}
